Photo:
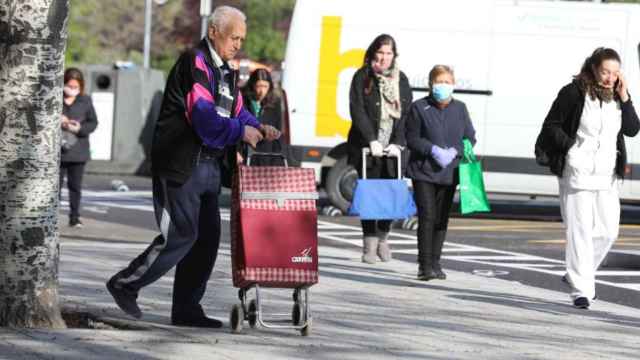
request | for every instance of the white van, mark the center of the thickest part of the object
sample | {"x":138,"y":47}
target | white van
{"x":510,"y":58}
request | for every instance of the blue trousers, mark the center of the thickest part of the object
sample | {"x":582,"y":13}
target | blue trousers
{"x":189,"y":219}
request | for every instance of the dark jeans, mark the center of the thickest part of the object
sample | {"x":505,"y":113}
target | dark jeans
{"x":73,"y":172}
{"x":189,"y":219}
{"x":377,"y":171}
{"x":434,"y":203}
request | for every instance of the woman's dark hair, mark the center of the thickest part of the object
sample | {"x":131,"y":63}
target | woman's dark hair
{"x":249,"y":88}
{"x":370,"y":54}
{"x":587,"y":79}
{"x":74,"y":74}
{"x":378,"y":42}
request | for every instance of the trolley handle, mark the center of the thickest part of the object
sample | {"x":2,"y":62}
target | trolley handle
{"x":266,"y":154}
{"x":366,"y":151}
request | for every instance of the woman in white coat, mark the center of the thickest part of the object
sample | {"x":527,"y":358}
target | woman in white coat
{"x":582,"y":142}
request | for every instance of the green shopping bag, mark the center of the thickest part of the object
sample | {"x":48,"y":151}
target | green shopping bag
{"x":473,"y":198}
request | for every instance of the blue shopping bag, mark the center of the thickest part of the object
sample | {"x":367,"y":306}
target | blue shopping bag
{"x":381,"y":199}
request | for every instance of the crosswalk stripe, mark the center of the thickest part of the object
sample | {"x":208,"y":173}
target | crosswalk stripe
{"x":617,"y":273}
{"x":633,"y":286}
{"x":528,"y":265}
{"x":101,"y":201}
{"x":491,"y":257}
{"x":343,"y":233}
{"x":457,"y":249}
{"x":414,"y":241}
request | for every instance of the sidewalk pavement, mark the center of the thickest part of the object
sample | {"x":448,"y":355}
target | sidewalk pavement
{"x":360,"y":312}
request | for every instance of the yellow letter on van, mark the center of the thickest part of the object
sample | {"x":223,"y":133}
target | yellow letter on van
{"x":328,"y":122}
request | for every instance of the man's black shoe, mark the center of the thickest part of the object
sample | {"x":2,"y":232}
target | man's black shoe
{"x":427,"y":275}
{"x":193,"y":316}
{"x":440,"y":275}
{"x":581,"y":302}
{"x":125,"y":299}
{"x":202,"y":322}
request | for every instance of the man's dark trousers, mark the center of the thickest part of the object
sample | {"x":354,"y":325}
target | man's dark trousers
{"x":189,"y":219}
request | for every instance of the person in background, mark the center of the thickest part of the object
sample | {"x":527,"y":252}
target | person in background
{"x":582,"y":138}
{"x":262,"y":101}
{"x":245,"y":68}
{"x":202,"y":114}
{"x":379,"y":98}
{"x":78,"y":121}
{"x":436,"y":125}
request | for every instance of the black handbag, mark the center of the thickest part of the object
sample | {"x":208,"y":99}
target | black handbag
{"x":68,"y":140}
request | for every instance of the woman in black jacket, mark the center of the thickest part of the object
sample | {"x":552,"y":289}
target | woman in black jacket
{"x":436,"y":126}
{"x":379,"y":98}
{"x":582,"y":142}
{"x":78,"y":121}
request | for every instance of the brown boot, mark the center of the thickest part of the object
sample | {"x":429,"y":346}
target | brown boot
{"x":384,"y":252}
{"x":369,"y":246}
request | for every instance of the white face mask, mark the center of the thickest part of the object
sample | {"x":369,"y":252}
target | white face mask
{"x":71,"y":92}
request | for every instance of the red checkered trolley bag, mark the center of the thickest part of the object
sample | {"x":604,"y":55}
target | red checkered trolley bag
{"x":274,"y":241}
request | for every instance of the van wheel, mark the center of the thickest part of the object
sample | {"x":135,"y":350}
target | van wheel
{"x":341,"y":180}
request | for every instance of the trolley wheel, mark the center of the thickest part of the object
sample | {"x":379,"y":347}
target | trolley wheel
{"x":236,"y":318}
{"x":253,"y":314}
{"x":297,"y":314}
{"x":306,"y":331}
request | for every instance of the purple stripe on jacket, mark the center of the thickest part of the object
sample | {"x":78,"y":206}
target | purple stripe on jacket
{"x":216,"y":131}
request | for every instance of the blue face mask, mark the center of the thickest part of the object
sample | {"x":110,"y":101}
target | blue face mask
{"x":441,"y":92}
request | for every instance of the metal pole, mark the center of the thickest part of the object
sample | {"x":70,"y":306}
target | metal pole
{"x":205,"y":11}
{"x":147,"y":32}
{"x":203,"y":27}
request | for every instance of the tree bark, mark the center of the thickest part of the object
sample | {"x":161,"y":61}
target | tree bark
{"x":33,"y":36}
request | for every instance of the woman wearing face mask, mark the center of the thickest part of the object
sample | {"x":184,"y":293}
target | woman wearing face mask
{"x":78,"y":121}
{"x":261,"y":100}
{"x":379,"y":98}
{"x":582,"y":138}
{"x":436,"y":126}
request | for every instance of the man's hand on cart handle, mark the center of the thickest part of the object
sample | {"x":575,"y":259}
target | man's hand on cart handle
{"x":252,"y":136}
{"x":270,"y":132}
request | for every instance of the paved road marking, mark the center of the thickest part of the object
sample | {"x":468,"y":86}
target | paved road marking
{"x":547,"y":241}
{"x":115,"y":194}
{"x":352,"y":235}
{"x":623,"y":241}
{"x":488,"y":257}
{"x":522,"y":227}
{"x":66,"y":242}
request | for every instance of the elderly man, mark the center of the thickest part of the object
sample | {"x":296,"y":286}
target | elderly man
{"x":202,"y":115}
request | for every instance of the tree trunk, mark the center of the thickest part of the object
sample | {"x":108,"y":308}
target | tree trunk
{"x":33,"y":36}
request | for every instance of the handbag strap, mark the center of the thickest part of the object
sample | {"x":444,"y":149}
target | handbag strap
{"x":468,"y":155}
{"x":366,"y":151}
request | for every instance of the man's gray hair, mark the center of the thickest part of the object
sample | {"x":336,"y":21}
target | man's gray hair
{"x":223,"y":15}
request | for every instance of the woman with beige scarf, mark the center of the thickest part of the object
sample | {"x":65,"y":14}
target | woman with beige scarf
{"x":379,"y":98}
